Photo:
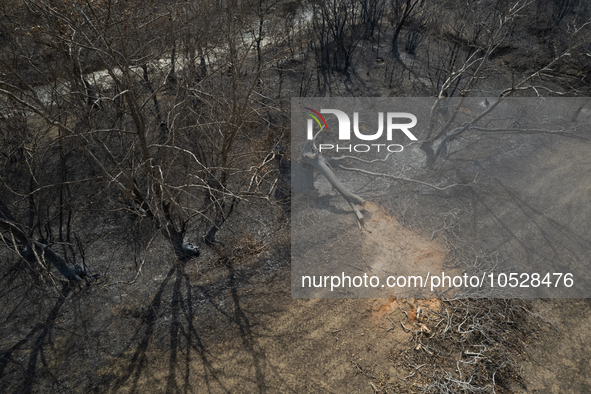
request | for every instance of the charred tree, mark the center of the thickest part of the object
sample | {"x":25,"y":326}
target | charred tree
{"x":316,"y":159}
{"x":17,"y":238}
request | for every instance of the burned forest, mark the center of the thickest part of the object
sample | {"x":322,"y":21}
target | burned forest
{"x":172,"y":178}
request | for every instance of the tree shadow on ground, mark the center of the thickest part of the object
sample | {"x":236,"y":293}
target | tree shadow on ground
{"x":190,"y":347}
{"x":43,"y":341}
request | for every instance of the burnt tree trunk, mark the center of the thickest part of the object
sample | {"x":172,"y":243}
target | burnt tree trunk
{"x":315,"y":159}
{"x":32,"y":250}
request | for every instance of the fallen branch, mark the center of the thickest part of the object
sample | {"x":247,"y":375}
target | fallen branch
{"x":380,"y":174}
{"x":321,"y":164}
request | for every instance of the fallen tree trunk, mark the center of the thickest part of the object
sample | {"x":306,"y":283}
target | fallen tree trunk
{"x":317,"y":160}
{"x":33,"y":250}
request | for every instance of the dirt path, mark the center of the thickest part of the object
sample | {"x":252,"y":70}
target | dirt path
{"x":328,"y":240}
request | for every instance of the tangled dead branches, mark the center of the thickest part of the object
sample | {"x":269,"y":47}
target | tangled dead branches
{"x":465,"y":346}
